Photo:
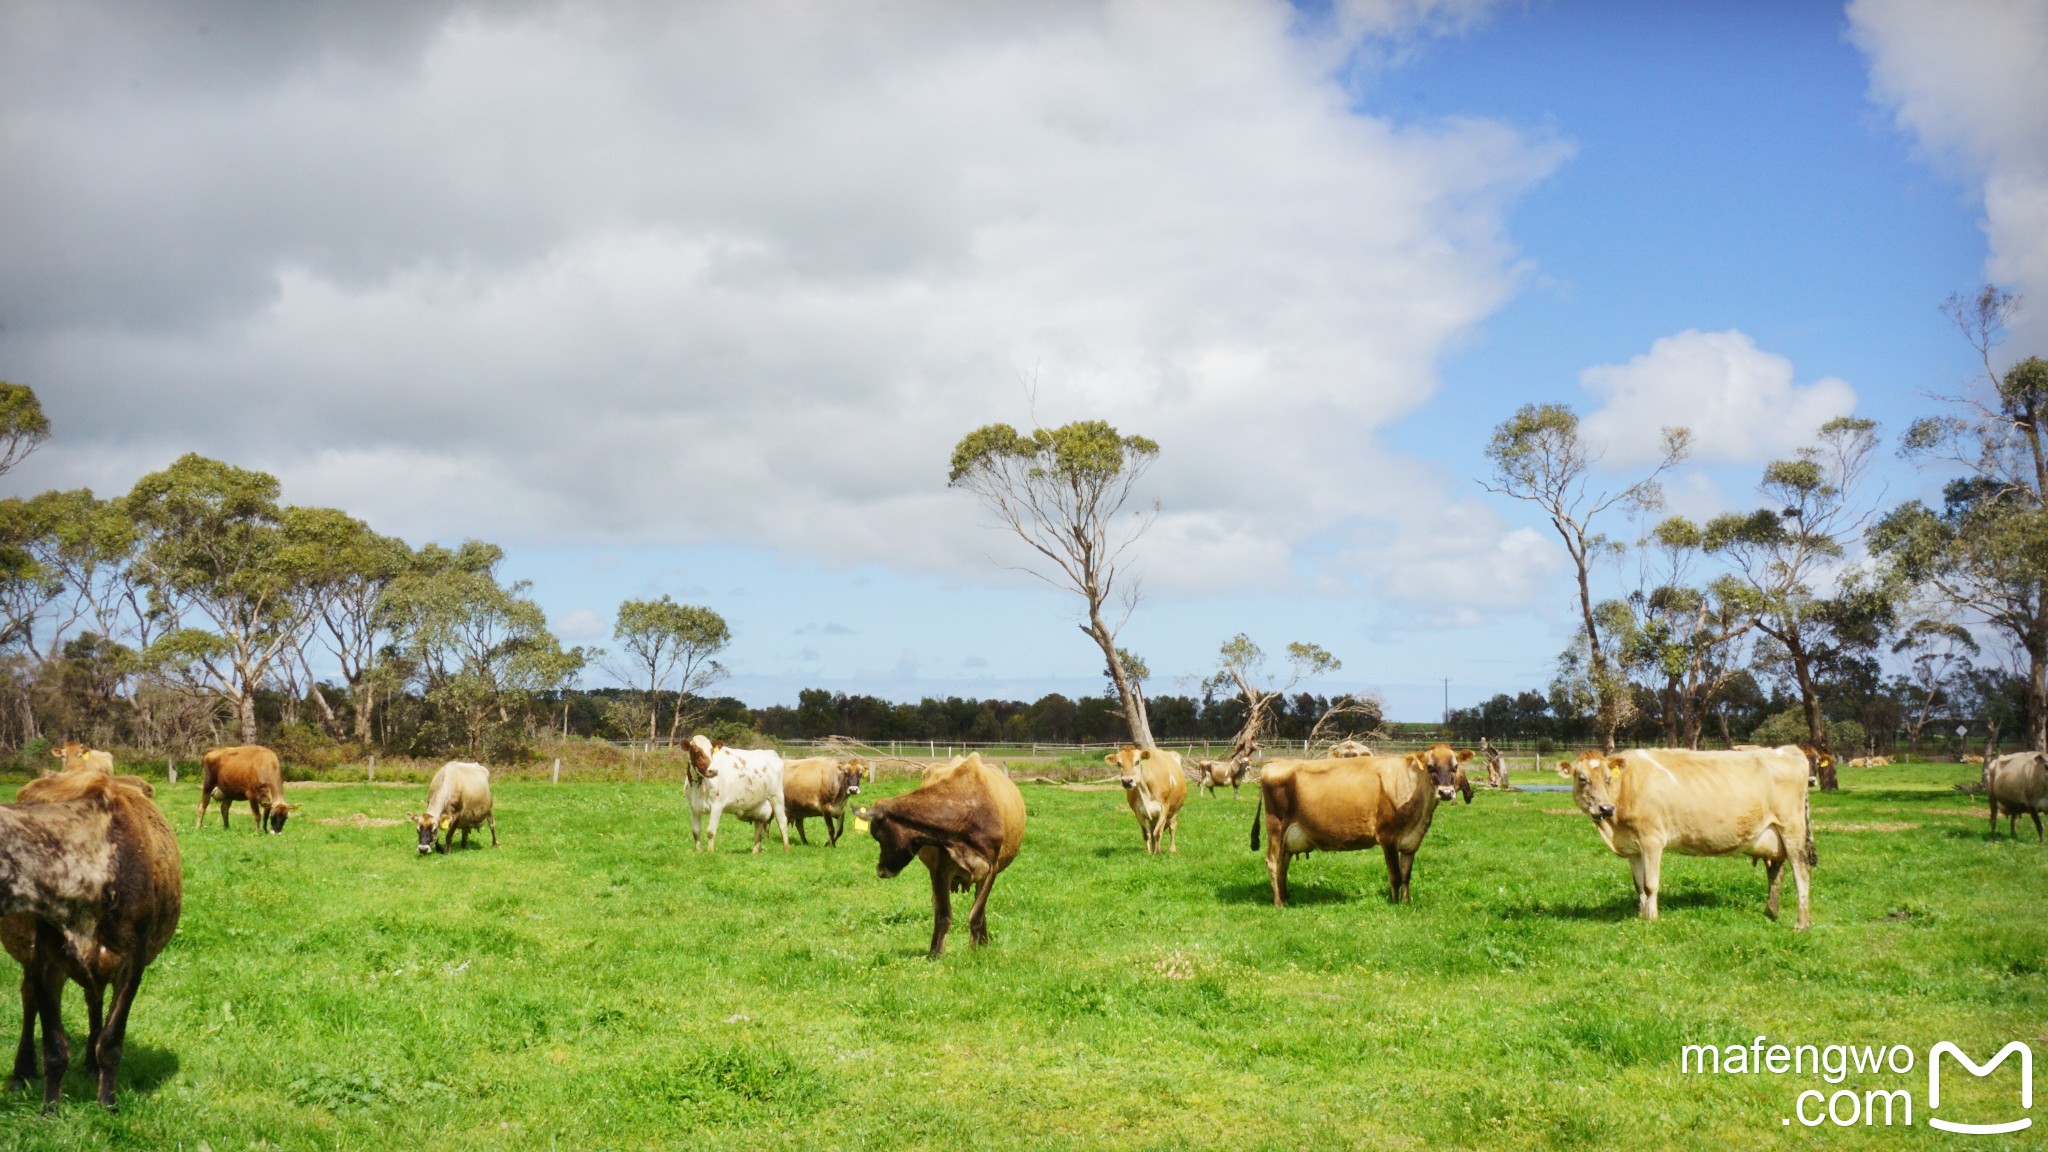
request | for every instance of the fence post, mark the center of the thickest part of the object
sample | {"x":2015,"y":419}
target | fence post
{"x":170,"y":768}
{"x":373,"y":767}
{"x":555,"y":777}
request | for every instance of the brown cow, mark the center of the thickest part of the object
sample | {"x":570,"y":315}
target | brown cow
{"x":2019,"y":784}
{"x":1348,"y":803}
{"x":1213,"y":774}
{"x":966,"y":822}
{"x":819,"y":786}
{"x":1155,"y":789}
{"x":1645,"y":800}
{"x":75,"y":757}
{"x":245,"y":772}
{"x":94,"y":863}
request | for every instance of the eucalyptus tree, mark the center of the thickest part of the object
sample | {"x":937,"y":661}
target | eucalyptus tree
{"x":345,"y":568}
{"x":1939,"y":656}
{"x":1063,"y":491}
{"x":1539,"y":456}
{"x":1689,"y":640}
{"x":1790,"y":558}
{"x":661,"y":638}
{"x":214,"y":549}
{"x":1985,"y":550}
{"x":23,"y":427}
{"x":1241,"y":666}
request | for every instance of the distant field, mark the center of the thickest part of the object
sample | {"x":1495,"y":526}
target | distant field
{"x":592,"y":984}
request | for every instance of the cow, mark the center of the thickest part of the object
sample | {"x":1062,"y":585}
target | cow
{"x":2017,"y":783}
{"x":1972,"y":758}
{"x":1644,"y":801}
{"x":1155,"y":788}
{"x":245,"y":772}
{"x":75,"y":757}
{"x":965,"y":820}
{"x":93,"y":864}
{"x":458,"y":799}
{"x":1346,"y":749}
{"x":819,"y":786}
{"x":1214,"y":774}
{"x":1343,"y":804}
{"x":748,"y":782}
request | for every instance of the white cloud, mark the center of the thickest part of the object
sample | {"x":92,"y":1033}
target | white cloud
{"x":580,"y":624}
{"x":1738,"y":399}
{"x":740,"y":272}
{"x":1965,"y":78}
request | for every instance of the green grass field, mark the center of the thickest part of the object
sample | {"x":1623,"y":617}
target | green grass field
{"x":593,"y":984}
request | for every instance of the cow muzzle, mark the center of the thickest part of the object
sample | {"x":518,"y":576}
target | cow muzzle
{"x":1446,"y":792}
{"x":1603,"y":812}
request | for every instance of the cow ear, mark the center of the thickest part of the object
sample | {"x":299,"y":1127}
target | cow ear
{"x":1564,"y":768}
{"x":1109,"y":758}
{"x":1464,"y":754}
{"x":1615,"y":764}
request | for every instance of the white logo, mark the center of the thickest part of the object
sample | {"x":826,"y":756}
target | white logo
{"x":1976,"y":1069}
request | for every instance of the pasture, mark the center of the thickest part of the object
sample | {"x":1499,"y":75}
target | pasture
{"x":593,"y":984}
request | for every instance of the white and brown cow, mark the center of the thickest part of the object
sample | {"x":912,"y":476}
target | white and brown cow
{"x":1155,"y":788}
{"x":1644,"y":801}
{"x":2018,"y":784}
{"x":1346,"y":803}
{"x":458,"y":800}
{"x":749,"y":782}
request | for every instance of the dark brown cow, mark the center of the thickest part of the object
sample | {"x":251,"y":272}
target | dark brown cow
{"x":1347,"y":803}
{"x":819,"y":786}
{"x":966,"y":822}
{"x":245,"y":772}
{"x":93,"y":862}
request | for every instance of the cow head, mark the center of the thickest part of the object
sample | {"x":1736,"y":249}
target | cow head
{"x":899,"y":841}
{"x":1816,"y":760}
{"x":1592,"y":782}
{"x":701,"y":749}
{"x":279,"y":813}
{"x":1127,"y":759}
{"x":1442,"y":764}
{"x":429,"y":828}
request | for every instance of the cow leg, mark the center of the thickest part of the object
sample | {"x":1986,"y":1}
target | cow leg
{"x":977,"y":920}
{"x":114,"y":1037}
{"x":696,"y":828}
{"x":1407,"y":871}
{"x":201,"y":823}
{"x":1774,"y":871}
{"x":492,"y":820}
{"x":1802,"y":881}
{"x":25,"y":1052}
{"x":1393,"y":858}
{"x":2036,"y":814}
{"x":832,"y":828}
{"x":1994,"y":818}
{"x":1653,"y":863}
{"x":782,"y":821}
{"x":47,"y":976}
{"x":805,"y":836}
{"x":942,"y":911}
{"x":711,"y":832}
{"x":1173,"y":834}
{"x":1635,"y":867}
{"x":1276,"y":865}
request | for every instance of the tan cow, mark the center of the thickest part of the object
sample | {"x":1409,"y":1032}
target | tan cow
{"x":245,"y":772}
{"x":966,"y":822}
{"x":94,"y":865}
{"x":819,"y":786}
{"x":1155,"y":788}
{"x":1344,"y":804}
{"x":1972,"y":758}
{"x":2017,"y":783}
{"x":1644,"y":801}
{"x":75,"y":757}
{"x":1213,"y":774}
{"x":1344,"y":749}
{"x":458,"y":800}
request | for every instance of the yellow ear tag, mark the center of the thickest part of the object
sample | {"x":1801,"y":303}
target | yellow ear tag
{"x":859,"y":824}
{"x":446,"y":821}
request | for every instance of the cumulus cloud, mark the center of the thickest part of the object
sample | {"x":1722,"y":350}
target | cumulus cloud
{"x":630,"y":274}
{"x":1738,"y":399}
{"x":1964,"y":78}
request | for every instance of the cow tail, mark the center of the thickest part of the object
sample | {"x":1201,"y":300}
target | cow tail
{"x":1256,"y":810}
{"x":1812,"y":853}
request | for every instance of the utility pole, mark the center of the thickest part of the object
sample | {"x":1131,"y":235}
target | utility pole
{"x":1447,"y":701}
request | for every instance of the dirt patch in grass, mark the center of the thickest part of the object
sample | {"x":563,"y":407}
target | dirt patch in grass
{"x":1873,"y":826}
{"x":359,"y":820}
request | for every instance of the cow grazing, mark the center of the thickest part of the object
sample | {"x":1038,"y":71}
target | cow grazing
{"x":748,"y":782}
{"x":2017,"y":783}
{"x":75,"y":757}
{"x":1644,"y":801}
{"x":966,"y":822}
{"x":1214,"y":774}
{"x":245,"y":772}
{"x":1344,"y":804}
{"x":1346,"y":749}
{"x":93,"y":866}
{"x":1155,"y":788}
{"x":819,"y":786}
{"x":458,"y":799}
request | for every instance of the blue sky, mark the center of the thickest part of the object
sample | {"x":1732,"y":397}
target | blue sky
{"x":695,"y":303}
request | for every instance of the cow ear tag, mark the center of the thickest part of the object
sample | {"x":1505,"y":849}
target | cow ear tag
{"x":860,"y":823}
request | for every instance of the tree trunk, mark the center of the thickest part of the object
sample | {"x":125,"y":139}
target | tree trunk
{"x":1606,"y":714}
{"x":2037,"y":681}
{"x":245,"y":711}
{"x":1134,"y":704}
{"x":366,"y":704}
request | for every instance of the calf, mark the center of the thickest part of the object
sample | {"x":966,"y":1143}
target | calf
{"x":97,"y":868}
{"x":966,"y":822}
{"x":458,"y":799}
{"x":1701,"y":804}
{"x":1347,"y":803}
{"x":1155,"y":789}
{"x":819,"y":786}
{"x":75,"y":757}
{"x":748,"y":782}
{"x":2017,"y":783}
{"x":245,"y":772}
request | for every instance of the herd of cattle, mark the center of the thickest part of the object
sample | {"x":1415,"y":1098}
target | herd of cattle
{"x":91,"y":883}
